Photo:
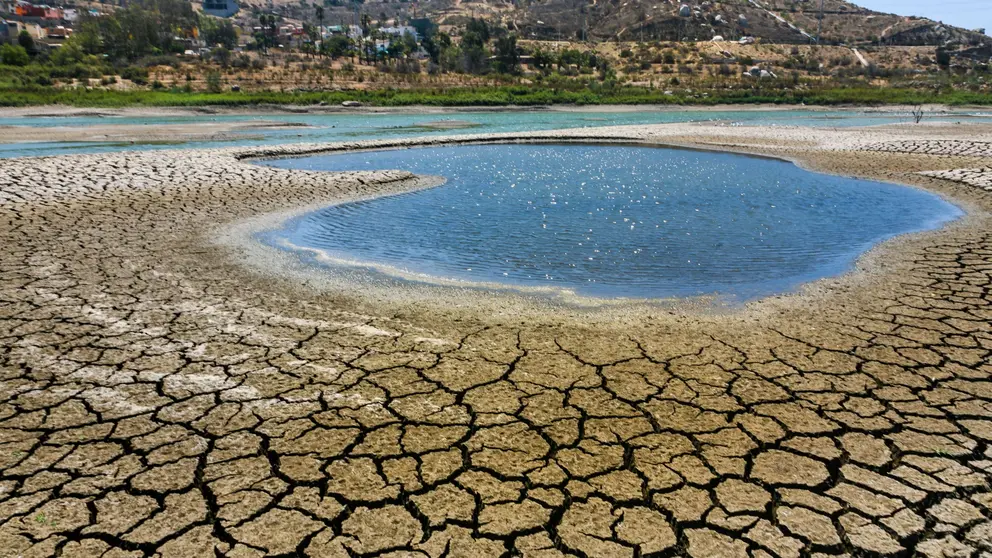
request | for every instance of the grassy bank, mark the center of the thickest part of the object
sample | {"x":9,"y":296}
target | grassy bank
{"x":492,"y":96}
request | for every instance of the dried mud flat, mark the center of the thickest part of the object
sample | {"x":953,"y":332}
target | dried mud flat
{"x":161,"y":398}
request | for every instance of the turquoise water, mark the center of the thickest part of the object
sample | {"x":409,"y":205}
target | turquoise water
{"x":611,"y":221}
{"x":348,"y":127}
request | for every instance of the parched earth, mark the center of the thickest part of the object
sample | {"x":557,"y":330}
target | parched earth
{"x":161,"y":398}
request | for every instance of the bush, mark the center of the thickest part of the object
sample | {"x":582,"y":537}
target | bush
{"x":14,"y":55}
{"x":161,"y":60}
{"x":136,"y":74}
{"x":213,"y":82}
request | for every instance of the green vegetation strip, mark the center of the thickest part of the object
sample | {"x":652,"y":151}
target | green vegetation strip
{"x":493,"y":96}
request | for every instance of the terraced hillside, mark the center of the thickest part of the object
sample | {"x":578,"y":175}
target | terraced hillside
{"x":779,"y":21}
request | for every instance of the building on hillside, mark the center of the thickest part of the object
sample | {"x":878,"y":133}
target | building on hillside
{"x":355,"y":32}
{"x":27,"y":9}
{"x":399,"y":31}
{"x":70,"y":14}
{"x":59,"y":32}
{"x":37,"y":32}
{"x":220,"y":8}
{"x":8,"y":31}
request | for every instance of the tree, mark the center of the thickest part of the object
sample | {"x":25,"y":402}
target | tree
{"x":943,"y":57}
{"x":507,"y":57}
{"x":320,"y":25}
{"x":337,"y":46}
{"x":26,"y":41}
{"x":14,"y":55}
{"x":222,"y":56}
{"x":543,"y":60}
{"x":71,"y":52}
{"x":435,"y":45}
{"x":263,"y":21}
{"x":213,"y":82}
{"x":479,"y":27}
{"x":475,"y":59}
{"x":218,"y":32}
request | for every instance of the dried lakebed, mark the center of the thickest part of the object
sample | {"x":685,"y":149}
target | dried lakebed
{"x":166,"y":395}
{"x":608,"y":221}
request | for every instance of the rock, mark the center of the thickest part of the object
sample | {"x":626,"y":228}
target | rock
{"x":718,"y":39}
{"x":685,"y":11}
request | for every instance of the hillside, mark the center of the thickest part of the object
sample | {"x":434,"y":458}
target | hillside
{"x":776,"y":21}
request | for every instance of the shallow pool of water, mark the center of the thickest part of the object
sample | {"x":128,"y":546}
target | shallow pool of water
{"x":611,"y":221}
{"x":354,"y":126}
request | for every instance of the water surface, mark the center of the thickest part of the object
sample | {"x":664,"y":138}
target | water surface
{"x":611,"y":221}
{"x":357,"y":126}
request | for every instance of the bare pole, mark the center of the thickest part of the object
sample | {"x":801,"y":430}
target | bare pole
{"x":819,"y":29}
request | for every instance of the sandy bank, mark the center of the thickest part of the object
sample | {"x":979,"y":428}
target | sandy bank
{"x":110,"y":132}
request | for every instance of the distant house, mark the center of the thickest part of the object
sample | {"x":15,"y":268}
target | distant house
{"x":27,"y":9}
{"x":355,"y":32}
{"x":8,"y":30}
{"x":399,"y":31}
{"x":59,"y":32}
{"x":220,"y":8}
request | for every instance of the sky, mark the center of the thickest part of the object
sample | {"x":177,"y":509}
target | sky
{"x":960,"y":13}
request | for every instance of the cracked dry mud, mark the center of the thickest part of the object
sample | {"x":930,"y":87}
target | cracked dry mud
{"x":161,"y":399}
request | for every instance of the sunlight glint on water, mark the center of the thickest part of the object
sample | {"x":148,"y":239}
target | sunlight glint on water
{"x":612,"y":221}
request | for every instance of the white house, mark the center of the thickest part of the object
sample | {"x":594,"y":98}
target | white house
{"x":399,"y":31}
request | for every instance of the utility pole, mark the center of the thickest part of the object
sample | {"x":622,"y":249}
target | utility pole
{"x":819,"y":29}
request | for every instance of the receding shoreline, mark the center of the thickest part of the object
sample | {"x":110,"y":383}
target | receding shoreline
{"x":404,"y":290}
{"x":410,"y":290}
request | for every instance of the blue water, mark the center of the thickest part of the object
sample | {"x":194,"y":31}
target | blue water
{"x":612,"y":221}
{"x":349,"y":127}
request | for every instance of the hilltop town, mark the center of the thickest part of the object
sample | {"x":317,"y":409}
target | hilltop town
{"x":668,"y":52}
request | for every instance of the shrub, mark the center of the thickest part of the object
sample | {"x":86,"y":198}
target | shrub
{"x":136,"y":74}
{"x":14,"y":55}
{"x":213,"y":82}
